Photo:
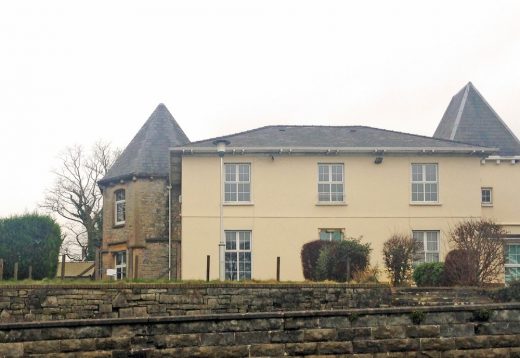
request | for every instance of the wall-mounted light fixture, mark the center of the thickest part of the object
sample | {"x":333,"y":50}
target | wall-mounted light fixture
{"x":378,"y":160}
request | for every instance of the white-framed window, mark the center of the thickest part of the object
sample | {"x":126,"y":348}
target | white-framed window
{"x":486,"y":195}
{"x":427,"y":246}
{"x":331,"y":183}
{"x":120,"y":264}
{"x":425,"y":183}
{"x":331,"y":234}
{"x":238,"y":255}
{"x":512,"y":266}
{"x":237,"y":182}
{"x":120,"y":207}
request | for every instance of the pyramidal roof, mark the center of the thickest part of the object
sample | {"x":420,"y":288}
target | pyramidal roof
{"x":469,"y":118}
{"x":148,"y":153}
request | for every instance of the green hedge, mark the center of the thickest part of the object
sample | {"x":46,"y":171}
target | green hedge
{"x":429,"y":274}
{"x":31,"y":240}
{"x":335,"y":258}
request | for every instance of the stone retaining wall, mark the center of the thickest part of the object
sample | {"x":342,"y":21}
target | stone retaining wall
{"x":58,"y":302}
{"x":442,"y":331}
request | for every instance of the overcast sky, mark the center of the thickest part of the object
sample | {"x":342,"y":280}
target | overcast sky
{"x":74,"y":72}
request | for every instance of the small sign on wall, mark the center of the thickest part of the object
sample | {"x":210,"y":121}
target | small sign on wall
{"x":111,"y":272}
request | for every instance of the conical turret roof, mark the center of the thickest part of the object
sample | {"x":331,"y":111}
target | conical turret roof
{"x":470,"y":119}
{"x":148,"y":153}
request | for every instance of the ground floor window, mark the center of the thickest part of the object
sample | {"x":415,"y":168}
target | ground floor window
{"x":120,"y":259}
{"x":427,"y":246}
{"x":512,"y":269}
{"x":238,"y":255}
{"x":331,"y":234}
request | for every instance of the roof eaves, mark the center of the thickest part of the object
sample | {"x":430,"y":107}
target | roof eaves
{"x":333,"y":150}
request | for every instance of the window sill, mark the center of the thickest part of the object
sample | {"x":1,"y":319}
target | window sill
{"x":484,"y":205}
{"x":416,"y":203}
{"x":238,"y":203}
{"x":331,"y":203}
{"x":118,"y":225}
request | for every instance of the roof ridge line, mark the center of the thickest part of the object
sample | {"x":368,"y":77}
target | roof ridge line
{"x":459,"y":112}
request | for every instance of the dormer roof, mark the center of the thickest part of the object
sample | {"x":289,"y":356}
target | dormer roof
{"x":147,"y":155}
{"x":469,"y":118}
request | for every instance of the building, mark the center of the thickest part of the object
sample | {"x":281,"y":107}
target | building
{"x":247,"y":198}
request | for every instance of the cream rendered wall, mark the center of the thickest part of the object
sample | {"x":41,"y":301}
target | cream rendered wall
{"x":285,"y":214}
{"x":504,"y":178}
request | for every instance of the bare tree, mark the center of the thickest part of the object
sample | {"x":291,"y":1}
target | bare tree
{"x":75,"y":196}
{"x":484,"y":242}
{"x":398,"y":256}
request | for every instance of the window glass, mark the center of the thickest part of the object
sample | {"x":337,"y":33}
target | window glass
{"x":427,"y":249}
{"x":120,"y":264}
{"x":238,"y":255}
{"x":330,"y":183}
{"x":331,"y":234}
{"x":237,"y":186}
{"x":424,"y":183}
{"x":486,"y":195}
{"x":120,"y":206}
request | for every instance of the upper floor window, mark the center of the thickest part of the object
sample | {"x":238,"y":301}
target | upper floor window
{"x":427,"y":246}
{"x":120,"y":211}
{"x":486,"y":195}
{"x":330,"y":183}
{"x":331,"y":234}
{"x":425,"y":183}
{"x":237,"y":184}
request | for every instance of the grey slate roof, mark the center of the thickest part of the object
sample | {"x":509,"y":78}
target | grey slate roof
{"x":469,"y":118}
{"x":290,"y":136}
{"x":148,"y":153}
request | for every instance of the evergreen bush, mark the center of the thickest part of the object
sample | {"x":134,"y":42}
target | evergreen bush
{"x":31,"y":240}
{"x":340,"y":260}
{"x":429,"y":274}
{"x":309,"y":255}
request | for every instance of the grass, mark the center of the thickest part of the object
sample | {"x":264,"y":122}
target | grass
{"x":84,"y":282}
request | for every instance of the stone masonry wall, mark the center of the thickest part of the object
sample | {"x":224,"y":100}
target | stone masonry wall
{"x":448,"y":331}
{"x":40,"y":303}
{"x":145,"y":228}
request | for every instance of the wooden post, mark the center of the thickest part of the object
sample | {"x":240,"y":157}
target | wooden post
{"x":62,"y":266}
{"x":30,"y":272}
{"x":1,"y":269}
{"x":136,"y":267}
{"x":208,"y":258}
{"x":97,"y":264}
{"x":15,"y":276}
{"x":278,"y":268}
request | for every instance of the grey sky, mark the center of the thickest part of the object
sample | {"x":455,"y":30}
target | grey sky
{"x":74,"y":72}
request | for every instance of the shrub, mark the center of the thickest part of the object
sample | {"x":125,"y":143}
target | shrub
{"x":369,"y":275}
{"x":459,"y":268}
{"x":341,"y":259}
{"x":509,"y":293}
{"x":31,"y":240}
{"x":309,"y":255}
{"x":417,"y":317}
{"x":482,"y":315}
{"x":483,"y":240}
{"x":398,"y":256}
{"x":429,"y":274}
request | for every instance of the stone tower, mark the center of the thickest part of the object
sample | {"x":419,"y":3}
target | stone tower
{"x":136,"y":207}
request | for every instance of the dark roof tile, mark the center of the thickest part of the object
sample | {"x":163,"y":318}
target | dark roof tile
{"x":147,"y":153}
{"x":470,"y":119}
